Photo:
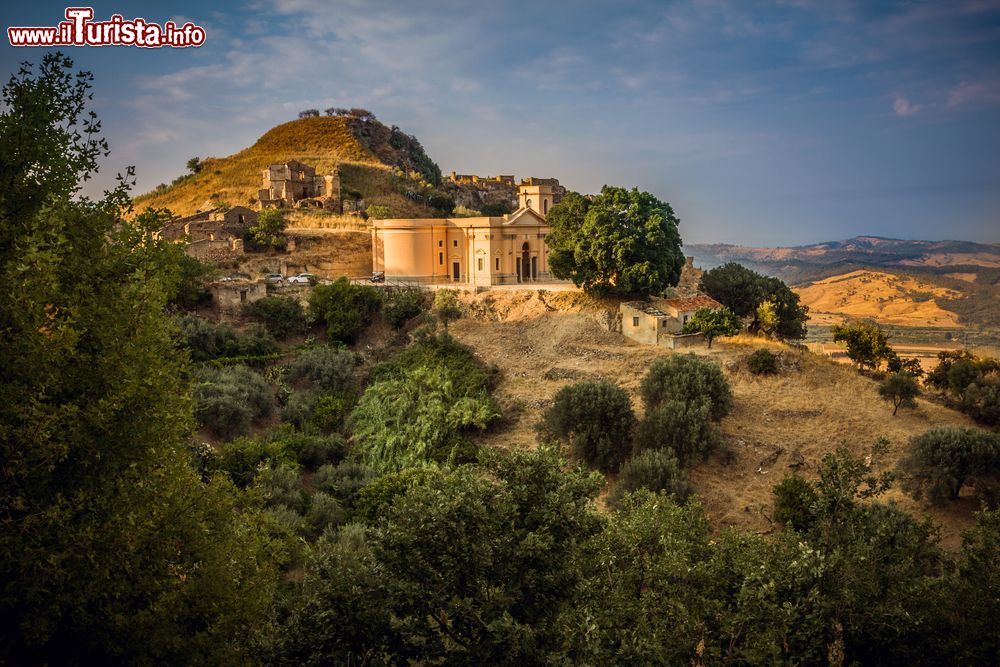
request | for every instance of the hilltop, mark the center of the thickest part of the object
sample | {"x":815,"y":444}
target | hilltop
{"x":377,"y":163}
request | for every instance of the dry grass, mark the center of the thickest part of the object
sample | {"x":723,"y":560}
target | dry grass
{"x":885,"y":297}
{"x":541,"y":344}
{"x":325,"y":143}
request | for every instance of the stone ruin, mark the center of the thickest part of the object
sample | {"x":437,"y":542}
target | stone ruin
{"x":293,"y":184}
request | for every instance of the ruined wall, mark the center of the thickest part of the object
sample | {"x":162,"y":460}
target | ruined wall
{"x":215,"y":251}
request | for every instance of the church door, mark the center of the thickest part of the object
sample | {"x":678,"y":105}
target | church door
{"x":525,"y":262}
{"x":456,"y":271}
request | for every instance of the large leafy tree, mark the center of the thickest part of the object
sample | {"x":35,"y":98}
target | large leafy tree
{"x":867,"y":344}
{"x":713,"y":322}
{"x":113,"y":548}
{"x":621,"y":241}
{"x":766,"y":303}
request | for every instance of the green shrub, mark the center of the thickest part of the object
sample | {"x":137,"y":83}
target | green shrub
{"x":312,"y":450}
{"x":377,"y":496}
{"x":417,"y":419}
{"x":685,"y":429}
{"x":794,"y":500}
{"x":207,"y":341}
{"x":283,"y":316}
{"x":981,"y":400}
{"x":228,"y":400}
{"x":325,"y":513}
{"x":942,"y":460}
{"x":298,"y":409}
{"x":466,"y":373}
{"x":763,"y":362}
{"x":346,"y":308}
{"x":343,"y":481}
{"x":403,"y":306}
{"x":243,"y":458}
{"x":687,"y":378}
{"x":595,"y":419}
{"x":328,"y":412}
{"x":326,"y":367}
{"x":657,"y":470}
{"x":282,"y":485}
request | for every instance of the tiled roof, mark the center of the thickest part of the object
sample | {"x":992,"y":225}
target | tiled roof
{"x":690,"y":302}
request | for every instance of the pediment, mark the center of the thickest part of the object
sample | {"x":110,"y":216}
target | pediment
{"x":524,"y":216}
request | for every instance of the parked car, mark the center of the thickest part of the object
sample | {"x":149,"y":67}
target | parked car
{"x":378,"y":277}
{"x":302,"y":279}
{"x":274,"y":279}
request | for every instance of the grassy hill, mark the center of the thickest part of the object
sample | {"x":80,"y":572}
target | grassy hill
{"x":382,"y":165}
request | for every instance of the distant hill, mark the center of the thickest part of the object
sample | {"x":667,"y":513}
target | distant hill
{"x":378,"y":163}
{"x":910,"y":283}
{"x":802,"y":263}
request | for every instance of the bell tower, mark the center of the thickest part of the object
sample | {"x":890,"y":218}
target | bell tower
{"x":536,"y":197}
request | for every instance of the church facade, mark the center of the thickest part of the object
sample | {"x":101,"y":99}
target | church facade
{"x":472,"y":252}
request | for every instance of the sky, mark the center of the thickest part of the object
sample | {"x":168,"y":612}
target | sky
{"x":770,"y":122}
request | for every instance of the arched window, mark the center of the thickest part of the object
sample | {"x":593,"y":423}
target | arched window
{"x":545,"y":207}
{"x":527,"y":203}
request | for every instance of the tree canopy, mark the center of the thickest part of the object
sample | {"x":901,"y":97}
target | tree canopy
{"x":619,"y":242}
{"x":767,"y":304}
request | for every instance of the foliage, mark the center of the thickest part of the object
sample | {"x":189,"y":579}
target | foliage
{"x":767,"y":303}
{"x":619,"y":242}
{"x":207,"y":341}
{"x":657,"y":470}
{"x":344,"y":481}
{"x":687,"y":378}
{"x":345,"y":308}
{"x":325,"y":513}
{"x":327,"y":367}
{"x":595,"y":419}
{"x":495,"y":210}
{"x":973,"y":381}
{"x":403,"y":306}
{"x":794,"y":499}
{"x":685,"y":429}
{"x":228,"y":400}
{"x":417,"y":419}
{"x":898,"y":364}
{"x":280,"y":485}
{"x":714,"y":322}
{"x":114,"y":549}
{"x":446,"y":306}
{"x":378,"y":212}
{"x":194,"y":165}
{"x":763,"y":362}
{"x":329,"y":411}
{"x":900,"y":389}
{"x":269,"y":230}
{"x":867,"y":344}
{"x":944,"y":459}
{"x":283,"y":316}
{"x":191,"y":291}
{"x":241,"y":459}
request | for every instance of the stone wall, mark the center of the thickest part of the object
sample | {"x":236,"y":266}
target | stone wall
{"x":215,"y":251}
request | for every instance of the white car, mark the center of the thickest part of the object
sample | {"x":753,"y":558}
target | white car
{"x":301,"y":279}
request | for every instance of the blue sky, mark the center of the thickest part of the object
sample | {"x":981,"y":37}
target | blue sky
{"x":766,"y":123}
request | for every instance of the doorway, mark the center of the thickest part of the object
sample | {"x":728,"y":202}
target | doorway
{"x":456,"y":271}
{"x":526,"y":262}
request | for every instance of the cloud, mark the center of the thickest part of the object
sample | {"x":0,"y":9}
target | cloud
{"x":903,"y":107}
{"x":969,"y":92}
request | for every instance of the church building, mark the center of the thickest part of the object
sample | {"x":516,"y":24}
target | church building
{"x":473,"y":252}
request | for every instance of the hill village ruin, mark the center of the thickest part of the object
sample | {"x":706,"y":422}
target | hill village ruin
{"x":475,"y":253}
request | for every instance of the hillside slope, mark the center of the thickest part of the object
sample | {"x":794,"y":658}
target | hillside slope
{"x":887,"y":298}
{"x":543,"y":341}
{"x":371,"y":158}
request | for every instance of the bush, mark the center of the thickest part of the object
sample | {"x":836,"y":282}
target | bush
{"x":344,"y":481}
{"x":298,"y":409}
{"x":325,"y":513}
{"x":228,"y":400}
{"x":282,"y":316}
{"x":207,"y":341}
{"x":982,"y":400}
{"x":685,"y":429}
{"x":900,"y":389}
{"x":310,"y":450}
{"x":281,"y":485}
{"x":942,"y":460}
{"x":794,"y":499}
{"x":404,"y":305}
{"x":243,"y":458}
{"x":328,"y":412}
{"x":326,"y":367}
{"x":377,"y":496}
{"x":686,"y":378}
{"x":763,"y":362}
{"x":657,"y":470}
{"x":595,"y":419}
{"x":345,"y":308}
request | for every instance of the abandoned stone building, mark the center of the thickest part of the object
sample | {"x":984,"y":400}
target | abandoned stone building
{"x":661,"y":321}
{"x":472,"y":178}
{"x":210,"y":224}
{"x":290,"y":184}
